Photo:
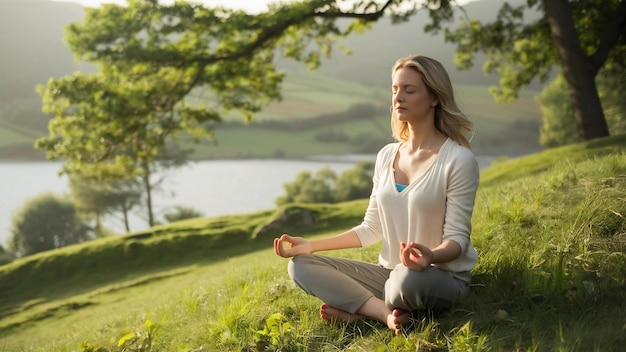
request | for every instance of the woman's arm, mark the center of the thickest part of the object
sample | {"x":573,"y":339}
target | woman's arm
{"x":288,"y":246}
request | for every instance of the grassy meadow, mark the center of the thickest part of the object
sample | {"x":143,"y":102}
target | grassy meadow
{"x":550,"y":229}
{"x":511,"y":129}
{"x":500,"y":129}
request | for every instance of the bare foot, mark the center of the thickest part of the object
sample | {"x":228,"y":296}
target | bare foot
{"x":333,"y":314}
{"x":397,"y":319}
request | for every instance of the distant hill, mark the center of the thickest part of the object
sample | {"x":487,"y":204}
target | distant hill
{"x":31,"y":44}
{"x":32,"y":48}
{"x":374,"y":52}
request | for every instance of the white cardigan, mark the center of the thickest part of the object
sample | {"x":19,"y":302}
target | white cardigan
{"x":435,"y":207}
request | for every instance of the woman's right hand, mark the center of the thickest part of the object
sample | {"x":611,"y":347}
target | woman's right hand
{"x":287,"y":246}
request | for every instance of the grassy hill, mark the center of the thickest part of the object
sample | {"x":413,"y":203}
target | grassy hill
{"x":549,"y":227}
{"x":313,"y":105}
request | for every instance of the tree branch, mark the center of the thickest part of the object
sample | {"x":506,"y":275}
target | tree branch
{"x":278,"y":29}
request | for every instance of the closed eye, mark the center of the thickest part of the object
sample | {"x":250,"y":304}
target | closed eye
{"x":409,"y":88}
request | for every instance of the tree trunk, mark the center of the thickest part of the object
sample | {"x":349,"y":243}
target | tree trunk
{"x":126,"y":223}
{"x":148,"y":186}
{"x":578,"y":70}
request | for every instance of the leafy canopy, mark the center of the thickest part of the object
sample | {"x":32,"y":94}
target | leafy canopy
{"x":165,"y":69}
{"x":519,"y":45}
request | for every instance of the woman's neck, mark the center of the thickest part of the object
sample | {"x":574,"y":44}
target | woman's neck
{"x":425,"y":139}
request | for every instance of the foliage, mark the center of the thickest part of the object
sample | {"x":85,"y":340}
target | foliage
{"x":46,"y":222}
{"x":5,"y":256}
{"x":139,"y":340}
{"x":105,"y":126}
{"x":612,"y":87}
{"x":276,"y":332}
{"x":559,"y":125}
{"x":182,"y":213}
{"x":134,"y":341}
{"x":307,"y":188}
{"x":355,"y":183}
{"x":97,"y":199}
{"x":326,"y":187}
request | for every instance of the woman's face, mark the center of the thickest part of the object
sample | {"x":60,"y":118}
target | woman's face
{"x":411,"y":100}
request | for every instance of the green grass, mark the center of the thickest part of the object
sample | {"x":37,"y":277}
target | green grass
{"x":550,"y":231}
{"x":549,"y":227}
{"x":499,"y":129}
{"x":251,"y":142}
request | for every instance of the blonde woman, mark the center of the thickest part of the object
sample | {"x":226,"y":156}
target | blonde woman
{"x":424,"y":187}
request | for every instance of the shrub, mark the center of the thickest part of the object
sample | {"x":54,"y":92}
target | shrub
{"x":46,"y":222}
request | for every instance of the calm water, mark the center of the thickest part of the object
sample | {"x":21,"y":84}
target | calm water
{"x":214,"y":188}
{"x":211,"y":187}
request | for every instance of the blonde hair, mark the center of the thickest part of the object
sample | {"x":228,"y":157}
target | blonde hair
{"x":449,"y":119}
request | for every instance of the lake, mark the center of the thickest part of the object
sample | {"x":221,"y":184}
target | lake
{"x":215,"y":188}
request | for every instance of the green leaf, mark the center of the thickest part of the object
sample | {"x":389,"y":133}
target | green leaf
{"x":126,"y":338}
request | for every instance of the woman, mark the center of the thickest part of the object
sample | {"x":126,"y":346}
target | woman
{"x":421,"y":205}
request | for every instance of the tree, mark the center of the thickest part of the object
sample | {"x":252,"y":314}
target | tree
{"x":100,"y":198}
{"x":97,"y":199}
{"x":585,"y":35}
{"x":307,"y":188}
{"x":355,"y":183}
{"x":169,"y":156}
{"x":326,"y":187}
{"x":46,"y":222}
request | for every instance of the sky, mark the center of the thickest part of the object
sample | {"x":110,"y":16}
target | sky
{"x":249,"y":5}
{"x":252,"y":6}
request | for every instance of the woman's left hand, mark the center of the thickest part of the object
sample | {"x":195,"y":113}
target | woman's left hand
{"x":416,"y":256}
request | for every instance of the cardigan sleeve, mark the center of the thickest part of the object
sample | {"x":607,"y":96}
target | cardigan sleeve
{"x":370,"y":230}
{"x":462,"y":184}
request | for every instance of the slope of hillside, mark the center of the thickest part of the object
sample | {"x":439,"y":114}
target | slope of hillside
{"x":550,"y":276}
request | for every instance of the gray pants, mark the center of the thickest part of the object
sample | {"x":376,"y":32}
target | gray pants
{"x":347,"y":284}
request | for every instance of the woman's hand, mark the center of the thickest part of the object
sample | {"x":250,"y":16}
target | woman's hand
{"x":297,"y":245}
{"x":416,"y":256}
